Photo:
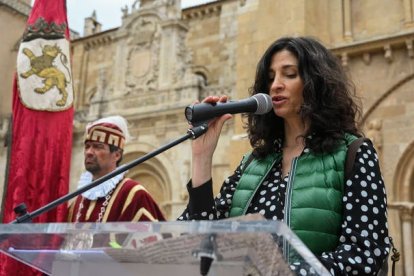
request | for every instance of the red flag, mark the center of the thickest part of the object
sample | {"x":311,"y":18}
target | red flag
{"x":42,"y":119}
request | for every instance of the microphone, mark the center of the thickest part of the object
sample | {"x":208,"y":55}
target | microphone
{"x":207,"y":253}
{"x":258,"y":104}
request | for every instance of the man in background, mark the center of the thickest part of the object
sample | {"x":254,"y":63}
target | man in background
{"x":119,"y":198}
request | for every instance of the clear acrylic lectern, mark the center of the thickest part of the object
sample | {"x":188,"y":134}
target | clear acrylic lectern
{"x":160,"y":248}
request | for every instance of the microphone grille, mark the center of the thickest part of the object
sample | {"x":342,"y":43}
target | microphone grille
{"x":264,"y":103}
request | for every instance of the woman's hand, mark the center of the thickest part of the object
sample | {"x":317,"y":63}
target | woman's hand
{"x":204,"y":146}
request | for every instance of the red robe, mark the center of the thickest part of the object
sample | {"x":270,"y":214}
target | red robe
{"x":129,"y":202}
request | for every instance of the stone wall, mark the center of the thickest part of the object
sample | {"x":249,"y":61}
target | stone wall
{"x":13,"y":16}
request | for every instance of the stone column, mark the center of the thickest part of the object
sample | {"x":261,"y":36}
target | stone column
{"x":408,"y":12}
{"x":347,"y":13}
{"x":170,"y":41}
{"x":406,"y":215}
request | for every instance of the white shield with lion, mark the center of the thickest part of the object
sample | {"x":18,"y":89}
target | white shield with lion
{"x":45,"y":79}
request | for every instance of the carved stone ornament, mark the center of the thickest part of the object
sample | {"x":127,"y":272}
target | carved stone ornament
{"x":4,"y":126}
{"x":374,"y":133}
{"x":183,"y":62}
{"x":169,"y":8}
{"x":143,"y":52}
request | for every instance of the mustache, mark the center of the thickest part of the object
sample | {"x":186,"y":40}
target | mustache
{"x":90,"y":159}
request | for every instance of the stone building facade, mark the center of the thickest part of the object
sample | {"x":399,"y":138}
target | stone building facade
{"x":162,"y":58}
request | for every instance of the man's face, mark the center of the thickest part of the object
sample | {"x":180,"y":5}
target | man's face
{"x":98,"y":158}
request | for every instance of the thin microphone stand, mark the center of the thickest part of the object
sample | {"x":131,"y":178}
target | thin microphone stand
{"x":24,"y":216}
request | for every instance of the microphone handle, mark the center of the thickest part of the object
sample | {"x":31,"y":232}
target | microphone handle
{"x":205,"y":111}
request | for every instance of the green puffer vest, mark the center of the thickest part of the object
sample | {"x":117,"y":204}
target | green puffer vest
{"x":313,"y":203}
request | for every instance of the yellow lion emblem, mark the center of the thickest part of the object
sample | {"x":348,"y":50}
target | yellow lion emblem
{"x":42,"y":66}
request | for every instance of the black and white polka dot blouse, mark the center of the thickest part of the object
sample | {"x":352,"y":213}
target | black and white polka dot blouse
{"x":363,"y":243}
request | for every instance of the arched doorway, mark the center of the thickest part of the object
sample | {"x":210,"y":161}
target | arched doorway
{"x":388,"y":122}
{"x":404,"y":204}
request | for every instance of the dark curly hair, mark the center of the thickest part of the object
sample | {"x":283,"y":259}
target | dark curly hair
{"x":329,"y":96}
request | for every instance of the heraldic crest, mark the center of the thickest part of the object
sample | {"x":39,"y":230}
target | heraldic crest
{"x":44,"y":68}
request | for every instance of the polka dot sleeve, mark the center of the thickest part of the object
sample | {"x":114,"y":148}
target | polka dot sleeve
{"x":363,"y":243}
{"x":202,"y":205}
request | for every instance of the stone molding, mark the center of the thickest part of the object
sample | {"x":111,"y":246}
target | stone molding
{"x":405,"y":208}
{"x":17,"y":6}
{"x":202,"y":11}
{"x":94,"y":41}
{"x":384,"y":44}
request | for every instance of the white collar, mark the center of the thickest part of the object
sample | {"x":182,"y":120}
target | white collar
{"x":102,"y":189}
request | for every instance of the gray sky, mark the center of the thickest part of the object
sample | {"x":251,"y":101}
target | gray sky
{"x":108,"y":12}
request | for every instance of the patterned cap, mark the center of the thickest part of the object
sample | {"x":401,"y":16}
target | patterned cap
{"x":110,"y":130}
